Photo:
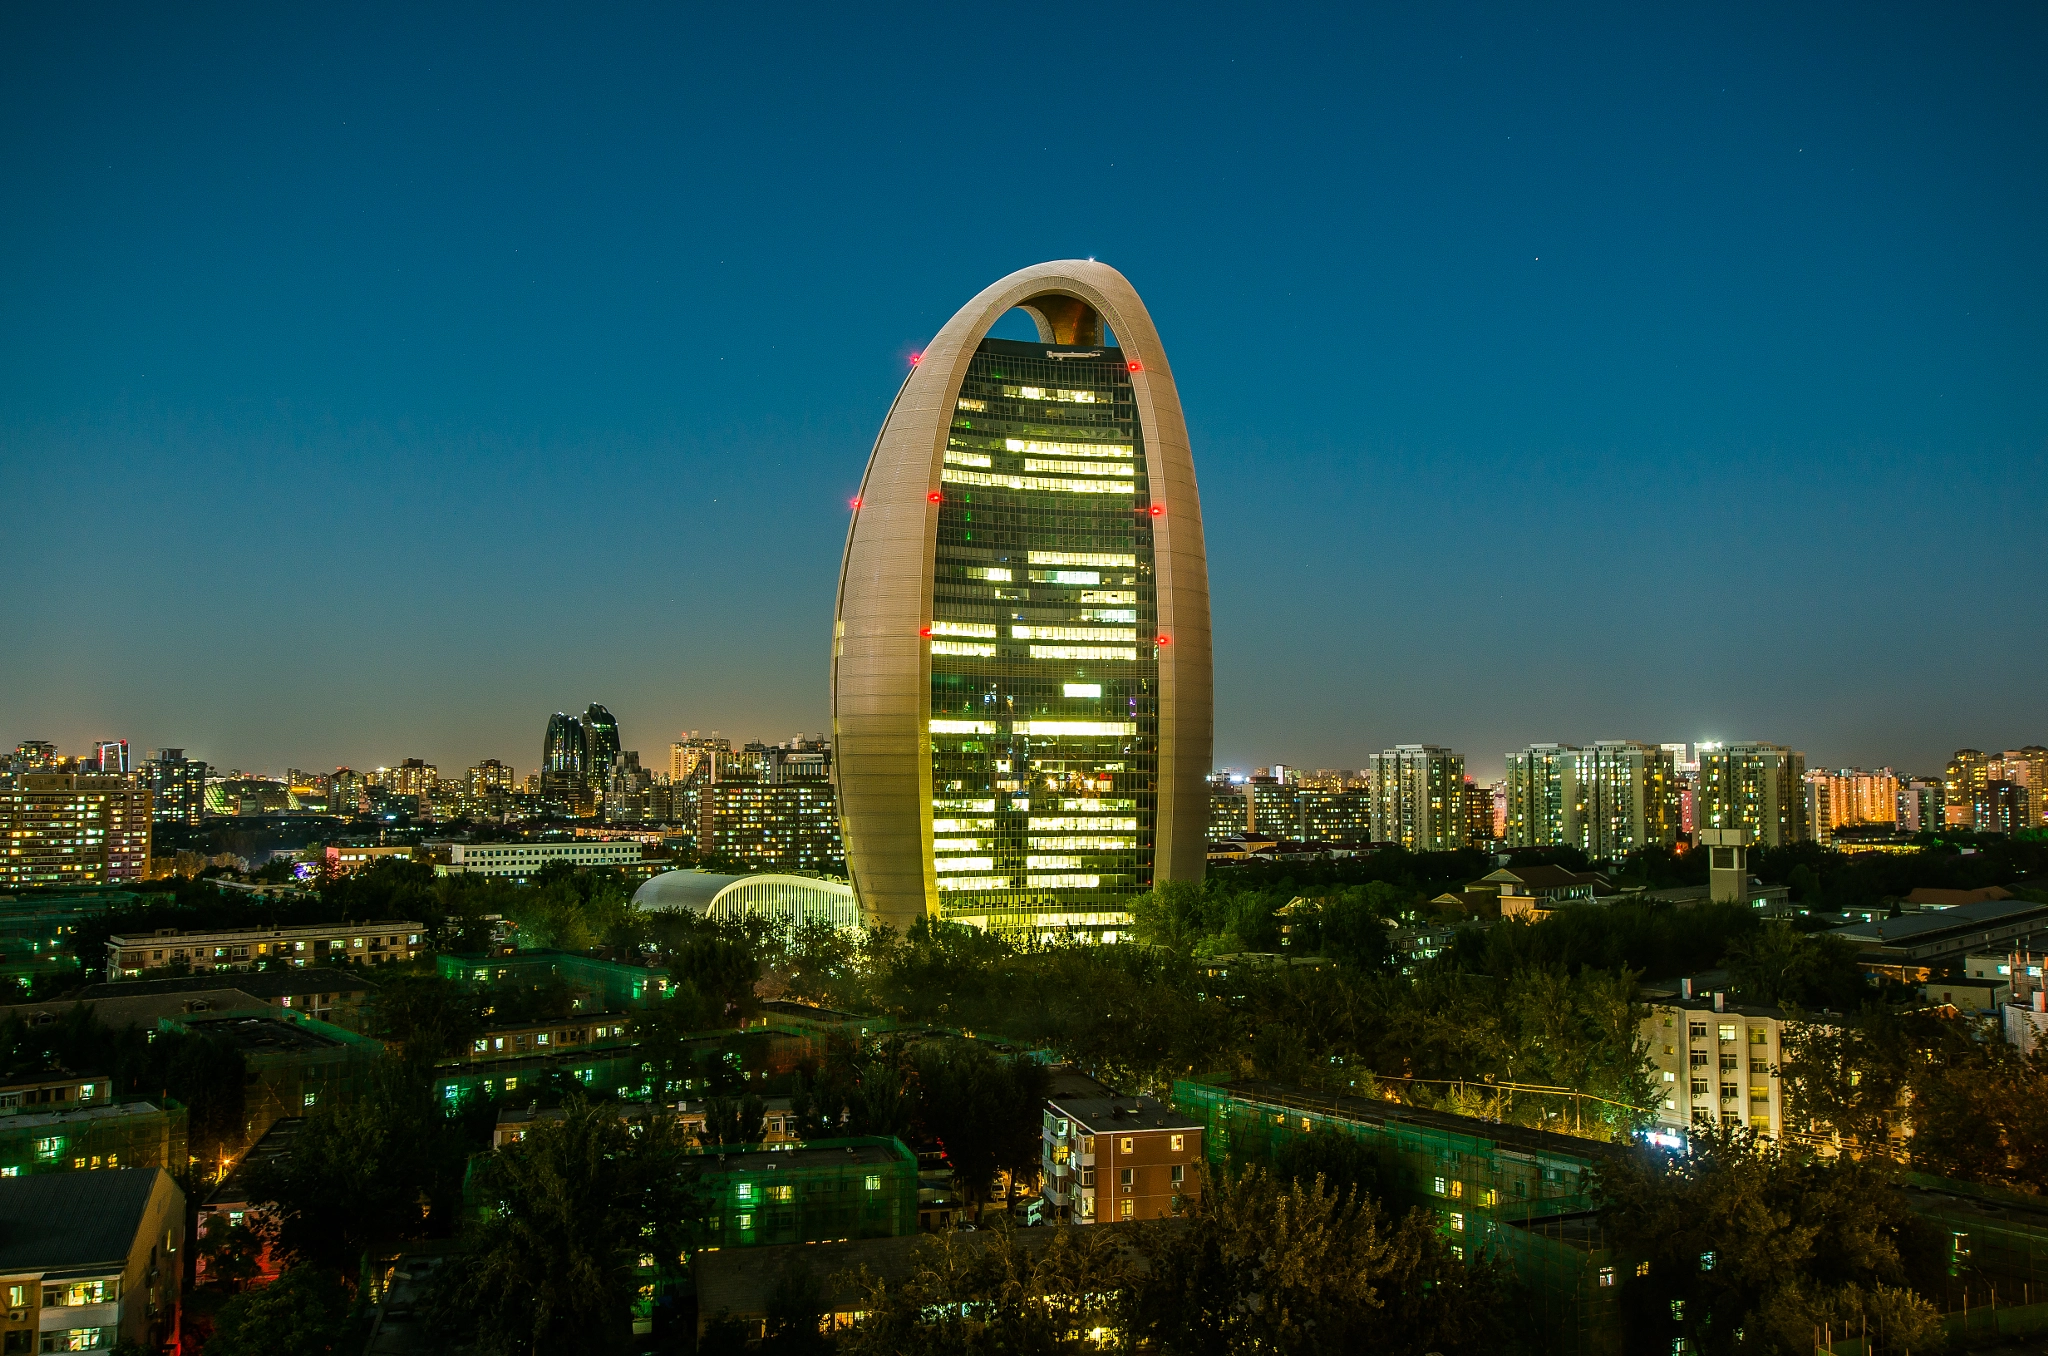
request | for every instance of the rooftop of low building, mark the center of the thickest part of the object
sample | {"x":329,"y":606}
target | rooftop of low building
{"x":1374,"y":1111}
{"x":263,"y":1034}
{"x":1113,"y":1115}
{"x":365,"y":926}
{"x":69,"y":1220}
{"x":820,"y":1154}
{"x":281,"y":981}
{"x":1544,"y":877}
{"x":275,"y":1144}
{"x":1962,"y":919}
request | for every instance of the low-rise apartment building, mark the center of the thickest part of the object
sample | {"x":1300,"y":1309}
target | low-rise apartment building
{"x":315,"y":991}
{"x":1533,"y":893}
{"x":511,"y":1040}
{"x":519,"y":861}
{"x":1716,"y":1063}
{"x":90,"y":1261}
{"x":1915,"y":946}
{"x":778,"y":1125}
{"x":377,"y":942}
{"x":1118,"y":1158}
{"x":341,"y":860}
{"x":293,"y":1064}
{"x":64,"y":1122}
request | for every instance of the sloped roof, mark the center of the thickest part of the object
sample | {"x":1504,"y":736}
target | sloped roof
{"x":686,"y":889}
{"x":59,"y":1220}
{"x":1926,"y":896}
{"x":277,"y":982}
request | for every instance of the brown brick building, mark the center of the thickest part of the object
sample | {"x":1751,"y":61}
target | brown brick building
{"x":1118,"y":1158}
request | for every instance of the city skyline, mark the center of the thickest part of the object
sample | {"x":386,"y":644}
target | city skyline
{"x":1518,"y":420}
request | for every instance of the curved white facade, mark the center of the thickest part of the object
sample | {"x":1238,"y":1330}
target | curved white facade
{"x":1071,"y":828}
{"x":786,"y":899}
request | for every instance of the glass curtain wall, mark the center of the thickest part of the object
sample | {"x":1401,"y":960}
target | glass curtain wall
{"x":1044,"y":660}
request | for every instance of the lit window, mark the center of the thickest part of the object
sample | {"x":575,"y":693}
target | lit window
{"x":1078,"y":468}
{"x":1073,"y":633}
{"x":1083,"y":652}
{"x":1043,"y":728}
{"x":1110,"y":560}
{"x":1053,"y":484}
{"x":1060,"y":394}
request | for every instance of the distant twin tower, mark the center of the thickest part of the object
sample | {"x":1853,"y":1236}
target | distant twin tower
{"x":1021,"y":687}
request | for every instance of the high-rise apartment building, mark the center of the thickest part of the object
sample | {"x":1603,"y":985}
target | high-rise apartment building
{"x":33,"y":755}
{"x":1849,"y":796}
{"x":625,"y":792}
{"x":62,"y":828}
{"x":1336,"y":816}
{"x":687,"y":753}
{"x":110,"y":758}
{"x":1631,"y":801}
{"x":1419,"y":797}
{"x":1273,"y":807}
{"x":178,"y":785}
{"x":790,"y":827}
{"x":1608,"y":799}
{"x":489,"y":788}
{"x":2028,"y":767}
{"x":1921,"y":802}
{"x":1229,"y":811}
{"x":1546,"y":805}
{"x":415,"y":779}
{"x":1754,"y":786}
{"x":1020,"y":657}
{"x":2001,"y":807}
{"x":1963,"y":781}
{"x":345,"y":792}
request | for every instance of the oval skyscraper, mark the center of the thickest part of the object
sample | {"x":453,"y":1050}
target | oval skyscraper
{"x":1021,"y":688}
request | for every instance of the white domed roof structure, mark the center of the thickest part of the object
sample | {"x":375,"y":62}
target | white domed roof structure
{"x":788,"y":899}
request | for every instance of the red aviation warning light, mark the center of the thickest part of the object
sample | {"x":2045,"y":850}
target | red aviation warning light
{"x":1162,"y":640}
{"x":856,"y":503}
{"x":1159,"y":510}
{"x":1136,"y":366}
{"x":916,"y":358}
{"x":936,"y":497}
{"x":925,"y":631}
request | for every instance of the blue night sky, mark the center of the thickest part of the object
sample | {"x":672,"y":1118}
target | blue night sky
{"x":374,"y":382}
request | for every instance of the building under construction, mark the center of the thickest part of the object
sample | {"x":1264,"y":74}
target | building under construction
{"x":121,"y":1132}
{"x":1519,"y":1196}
